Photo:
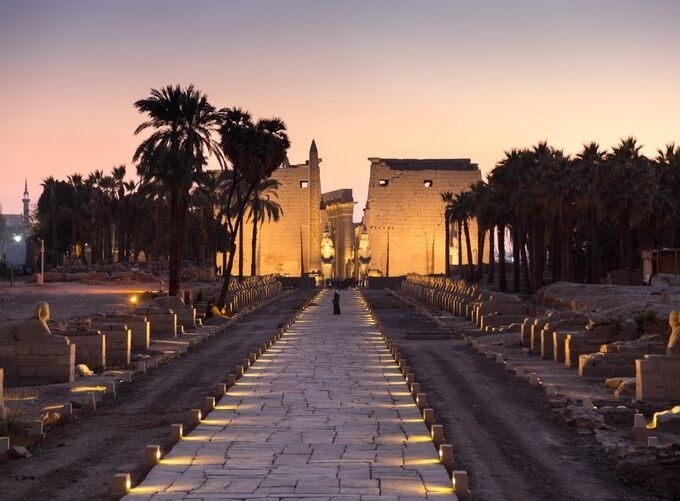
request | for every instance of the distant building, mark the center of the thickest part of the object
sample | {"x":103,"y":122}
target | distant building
{"x":13,"y":245}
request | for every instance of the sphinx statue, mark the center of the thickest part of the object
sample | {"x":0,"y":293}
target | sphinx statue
{"x":673,"y":347}
{"x":32,"y":329}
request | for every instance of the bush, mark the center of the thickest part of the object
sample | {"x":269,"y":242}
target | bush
{"x":646,"y":318}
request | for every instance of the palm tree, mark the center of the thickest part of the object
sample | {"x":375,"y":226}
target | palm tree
{"x":254,"y":150}
{"x":78,"y":210}
{"x":481,"y":210}
{"x":447,"y":198}
{"x":667,"y":163}
{"x":49,"y":185}
{"x":118,"y":176}
{"x":629,"y":199}
{"x":262,"y":206}
{"x":182,"y":121}
{"x":461,"y":209}
{"x":589,"y":163}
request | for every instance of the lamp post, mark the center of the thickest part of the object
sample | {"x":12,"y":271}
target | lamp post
{"x":42,"y":262}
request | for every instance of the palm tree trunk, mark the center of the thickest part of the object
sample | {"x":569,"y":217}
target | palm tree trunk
{"x":222,"y":300}
{"x":481,"y":232}
{"x":468,"y":244}
{"x":447,"y":245}
{"x":502,"y":278}
{"x":567,"y":229}
{"x":594,"y":247}
{"x":515,"y":257}
{"x":240,"y":255}
{"x":556,"y":251}
{"x":253,"y":245}
{"x":180,"y":207}
{"x":460,"y":249}
{"x":524,"y":262}
{"x":492,"y":255}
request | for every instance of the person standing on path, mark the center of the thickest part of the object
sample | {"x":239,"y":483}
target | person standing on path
{"x":336,"y":303}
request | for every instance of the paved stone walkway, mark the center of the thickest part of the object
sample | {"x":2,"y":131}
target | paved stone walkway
{"x":324,"y":414}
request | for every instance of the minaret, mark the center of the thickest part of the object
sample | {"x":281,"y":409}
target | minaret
{"x":26,"y":201}
{"x":314,"y":256}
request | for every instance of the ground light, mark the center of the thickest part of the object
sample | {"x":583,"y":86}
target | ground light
{"x":134,"y":300}
{"x":121,"y":484}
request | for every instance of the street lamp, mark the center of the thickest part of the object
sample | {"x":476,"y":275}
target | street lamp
{"x":42,"y":262}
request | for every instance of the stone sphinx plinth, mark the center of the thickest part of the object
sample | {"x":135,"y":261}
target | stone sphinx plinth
{"x":658,"y":376}
{"x":31,"y":355}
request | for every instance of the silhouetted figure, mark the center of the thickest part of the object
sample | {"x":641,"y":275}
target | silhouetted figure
{"x":336,"y":303}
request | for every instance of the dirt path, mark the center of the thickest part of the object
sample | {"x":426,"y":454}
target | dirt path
{"x":79,"y":461}
{"x":502,"y":430}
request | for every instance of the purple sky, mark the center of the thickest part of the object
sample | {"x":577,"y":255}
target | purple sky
{"x":364,"y":78}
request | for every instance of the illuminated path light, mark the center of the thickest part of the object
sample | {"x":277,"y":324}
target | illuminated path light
{"x":325,"y":412}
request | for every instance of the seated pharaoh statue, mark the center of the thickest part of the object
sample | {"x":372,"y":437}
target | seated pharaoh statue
{"x":33,"y":329}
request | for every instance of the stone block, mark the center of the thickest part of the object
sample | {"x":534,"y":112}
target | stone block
{"x":607,"y":365}
{"x":577,"y":345}
{"x":51,"y":362}
{"x":140,"y":329}
{"x":118,"y":347}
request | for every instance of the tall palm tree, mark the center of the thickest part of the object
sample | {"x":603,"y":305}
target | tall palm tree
{"x":589,"y":162}
{"x":254,"y":150}
{"x":629,"y":200}
{"x":262,"y":206}
{"x":667,"y":164}
{"x":49,"y":185}
{"x":182,"y":121}
{"x":78,"y":217}
{"x":462,"y":208}
{"x":118,"y":176}
{"x":447,"y":198}
{"x":481,"y":207}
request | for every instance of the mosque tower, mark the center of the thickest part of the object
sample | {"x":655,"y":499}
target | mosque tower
{"x":26,"y":201}
{"x":314,"y":257}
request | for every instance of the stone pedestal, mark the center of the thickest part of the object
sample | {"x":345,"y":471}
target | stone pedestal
{"x":49,"y":360}
{"x":658,"y":378}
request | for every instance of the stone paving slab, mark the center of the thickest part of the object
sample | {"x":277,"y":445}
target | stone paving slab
{"x":324,"y":414}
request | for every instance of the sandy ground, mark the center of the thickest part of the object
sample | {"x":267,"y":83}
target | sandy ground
{"x":67,"y":300}
{"x":503,"y":431}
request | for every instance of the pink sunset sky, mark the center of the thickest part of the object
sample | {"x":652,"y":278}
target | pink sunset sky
{"x":417,"y":79}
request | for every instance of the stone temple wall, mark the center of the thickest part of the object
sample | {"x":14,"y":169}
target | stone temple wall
{"x":404,"y":213}
{"x":280,"y":244}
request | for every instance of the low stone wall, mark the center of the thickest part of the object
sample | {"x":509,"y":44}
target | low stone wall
{"x":163,"y":322}
{"x":140,"y":329}
{"x":606,"y":365}
{"x":379,"y":283}
{"x":90,"y":347}
{"x":118,"y":346}
{"x":51,"y":360}
{"x":186,"y":315}
{"x":658,"y":378}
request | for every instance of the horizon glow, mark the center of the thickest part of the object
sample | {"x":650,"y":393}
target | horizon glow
{"x":430,"y":79}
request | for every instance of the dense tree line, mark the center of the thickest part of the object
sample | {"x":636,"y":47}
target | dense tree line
{"x":571,"y":218}
{"x":175,"y":210}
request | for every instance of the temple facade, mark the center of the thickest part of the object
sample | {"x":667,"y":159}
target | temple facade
{"x":402,"y":229}
{"x":404,"y":214}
